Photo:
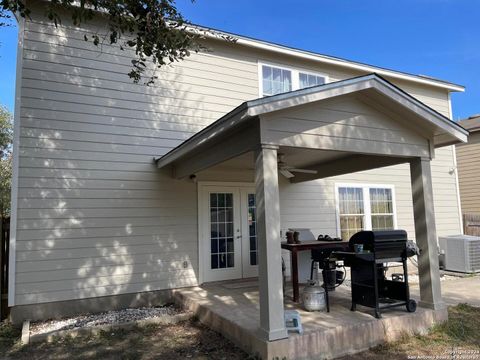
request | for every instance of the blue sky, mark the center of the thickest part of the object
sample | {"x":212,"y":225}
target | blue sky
{"x":439,"y":38}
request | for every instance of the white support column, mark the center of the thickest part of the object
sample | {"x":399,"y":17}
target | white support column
{"x":426,"y":235}
{"x":272,"y":323}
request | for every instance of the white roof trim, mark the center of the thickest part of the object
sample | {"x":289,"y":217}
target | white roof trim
{"x":295,"y":98}
{"x":219,"y":127}
{"x":251,"y":109}
{"x":264,"y":45}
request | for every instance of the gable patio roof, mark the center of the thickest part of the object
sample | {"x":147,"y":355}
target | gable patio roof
{"x":446,"y":131}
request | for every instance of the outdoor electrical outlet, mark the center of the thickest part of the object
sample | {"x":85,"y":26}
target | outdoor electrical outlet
{"x":185,"y":264}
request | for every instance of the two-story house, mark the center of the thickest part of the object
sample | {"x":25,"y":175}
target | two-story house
{"x":123,"y":192}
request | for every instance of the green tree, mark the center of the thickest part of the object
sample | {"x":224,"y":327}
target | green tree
{"x":154,"y":29}
{"x":6,"y":137}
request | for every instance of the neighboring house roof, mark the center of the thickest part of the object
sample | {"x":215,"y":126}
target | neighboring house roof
{"x":472,"y":123}
{"x":355,"y":65}
{"x":448,"y":131}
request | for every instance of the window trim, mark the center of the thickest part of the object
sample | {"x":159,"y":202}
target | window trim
{"x":295,"y":71}
{"x":367,"y":211}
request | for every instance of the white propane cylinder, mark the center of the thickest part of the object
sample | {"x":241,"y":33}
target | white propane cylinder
{"x":313,"y":294}
{"x":314,"y":297}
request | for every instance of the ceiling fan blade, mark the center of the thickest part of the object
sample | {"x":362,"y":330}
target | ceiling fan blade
{"x":305,"y":171}
{"x":286,"y":173}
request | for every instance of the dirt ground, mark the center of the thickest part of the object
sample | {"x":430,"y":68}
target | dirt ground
{"x":458,"y":338}
{"x":188,"y":340}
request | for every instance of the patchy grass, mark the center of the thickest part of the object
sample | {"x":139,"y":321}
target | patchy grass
{"x":461,"y":333}
{"x":191,"y":340}
{"x":9,"y":336}
{"x":187,"y":340}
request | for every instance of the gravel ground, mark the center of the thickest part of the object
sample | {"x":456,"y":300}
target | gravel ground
{"x":110,"y":317}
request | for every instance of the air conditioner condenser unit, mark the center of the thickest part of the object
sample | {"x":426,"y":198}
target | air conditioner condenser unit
{"x":462,"y":253}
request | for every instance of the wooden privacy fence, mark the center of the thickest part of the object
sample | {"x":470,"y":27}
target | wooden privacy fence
{"x":471,"y":224}
{"x":5,"y":243}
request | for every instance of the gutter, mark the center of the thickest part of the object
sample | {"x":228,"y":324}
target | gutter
{"x":308,"y":55}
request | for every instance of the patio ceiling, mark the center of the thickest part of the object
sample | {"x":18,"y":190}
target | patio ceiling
{"x":346,"y":122}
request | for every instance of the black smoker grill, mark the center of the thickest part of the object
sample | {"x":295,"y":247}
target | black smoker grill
{"x":370,"y":286}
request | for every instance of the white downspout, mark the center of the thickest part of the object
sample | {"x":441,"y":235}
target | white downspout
{"x":455,"y":169}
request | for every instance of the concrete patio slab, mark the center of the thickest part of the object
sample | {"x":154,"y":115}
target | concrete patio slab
{"x":459,"y":290}
{"x":234,"y":312}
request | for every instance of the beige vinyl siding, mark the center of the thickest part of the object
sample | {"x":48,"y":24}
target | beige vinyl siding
{"x":468,"y":162}
{"x":445,"y":192}
{"x":95,"y":216}
{"x":343,"y":125}
{"x":437,"y":100}
{"x":313,"y":204}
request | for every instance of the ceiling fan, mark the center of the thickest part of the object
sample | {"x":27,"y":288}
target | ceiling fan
{"x":288,"y":171}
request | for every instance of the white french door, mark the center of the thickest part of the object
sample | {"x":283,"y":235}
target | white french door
{"x":228,"y":236}
{"x":249,"y":233}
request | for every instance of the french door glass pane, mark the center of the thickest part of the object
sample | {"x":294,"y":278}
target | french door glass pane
{"x":252,"y":226}
{"x":222,"y":247}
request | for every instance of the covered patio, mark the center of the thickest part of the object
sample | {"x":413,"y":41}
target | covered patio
{"x":338,"y":128}
{"x":233,"y":308}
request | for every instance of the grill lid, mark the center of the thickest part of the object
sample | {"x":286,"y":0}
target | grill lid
{"x":372,"y":237}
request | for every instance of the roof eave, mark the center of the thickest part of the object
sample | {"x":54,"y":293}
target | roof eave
{"x":264,"y":45}
{"x":211,"y":132}
{"x":453,"y":131}
{"x":257,"y":107}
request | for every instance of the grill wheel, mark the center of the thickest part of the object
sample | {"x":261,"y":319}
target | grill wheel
{"x":411,"y":305}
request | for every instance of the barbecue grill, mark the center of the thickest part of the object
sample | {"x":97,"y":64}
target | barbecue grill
{"x":370,"y":287}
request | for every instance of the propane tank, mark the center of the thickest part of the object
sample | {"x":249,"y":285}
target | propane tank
{"x":314,"y":294}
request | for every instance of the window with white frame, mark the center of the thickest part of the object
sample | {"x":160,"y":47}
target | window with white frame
{"x":277,"y":79}
{"x":365,"y":207}
{"x":308,"y":80}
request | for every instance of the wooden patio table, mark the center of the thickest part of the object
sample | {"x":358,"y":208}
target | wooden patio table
{"x":306,"y":245}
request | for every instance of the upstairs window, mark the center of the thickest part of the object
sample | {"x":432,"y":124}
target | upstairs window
{"x":276,"y":80}
{"x":309,"y":80}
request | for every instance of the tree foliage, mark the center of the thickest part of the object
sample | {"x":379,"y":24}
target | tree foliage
{"x":154,"y":29}
{"x":6,"y":137}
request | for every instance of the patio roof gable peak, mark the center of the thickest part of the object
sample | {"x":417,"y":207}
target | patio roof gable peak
{"x":446,"y":131}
